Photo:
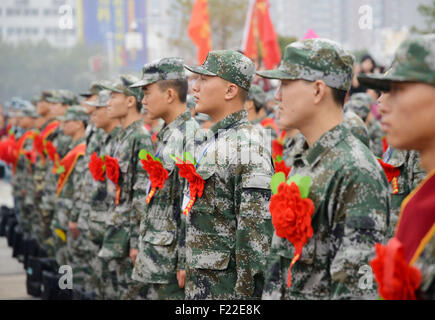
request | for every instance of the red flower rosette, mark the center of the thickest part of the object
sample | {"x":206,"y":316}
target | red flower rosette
{"x":112,"y":172}
{"x":30,"y":155}
{"x":97,"y":167}
{"x":291,"y":211}
{"x":281,"y":166}
{"x":396,"y":279}
{"x":187,"y":171}
{"x":156,"y":172}
{"x":277,"y":149}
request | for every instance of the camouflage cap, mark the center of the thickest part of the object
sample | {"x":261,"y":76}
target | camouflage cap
{"x":63,"y":97}
{"x":123,"y":86}
{"x":315,"y":59}
{"x":361,"y":108}
{"x":93,"y":90}
{"x":74,"y":113}
{"x":229,"y":65}
{"x":257,"y":94}
{"x":162,"y":69}
{"x":414,"y":61}
{"x":26,"y":109}
{"x":45,"y":95}
{"x":101,"y":101}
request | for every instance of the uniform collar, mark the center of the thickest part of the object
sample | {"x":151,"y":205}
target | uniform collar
{"x":324,"y":144}
{"x":237,"y":118}
{"x":182,"y":118}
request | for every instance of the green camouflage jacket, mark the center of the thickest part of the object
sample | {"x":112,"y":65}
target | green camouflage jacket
{"x":411,"y":174}
{"x":162,"y":225}
{"x":99,"y":203}
{"x":122,"y":230}
{"x":350,"y":196}
{"x":228,"y":230}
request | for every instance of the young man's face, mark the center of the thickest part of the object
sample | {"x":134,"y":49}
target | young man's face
{"x":89,"y":109}
{"x":295,"y":104}
{"x":58,"y":109}
{"x":409,"y":122}
{"x":26,"y":122}
{"x":101,"y":118}
{"x":117,"y":106}
{"x":154,"y":101}
{"x":43,"y":108}
{"x":209,"y":93}
{"x":70,"y":127}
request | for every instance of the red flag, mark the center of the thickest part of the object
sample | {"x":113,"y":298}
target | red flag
{"x":259,"y":27}
{"x":199,"y":29}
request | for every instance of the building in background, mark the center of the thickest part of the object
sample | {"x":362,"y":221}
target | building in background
{"x":340,"y":20}
{"x":36,"y":20}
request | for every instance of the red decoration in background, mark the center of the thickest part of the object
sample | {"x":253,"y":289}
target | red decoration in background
{"x":199,"y":29}
{"x":396,"y":279}
{"x":390,"y":171}
{"x":259,"y":29}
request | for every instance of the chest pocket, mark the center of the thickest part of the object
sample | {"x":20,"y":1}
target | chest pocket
{"x":159,"y":238}
{"x":210,"y":259}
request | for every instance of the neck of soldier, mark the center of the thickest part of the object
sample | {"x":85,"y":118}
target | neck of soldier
{"x":427,"y":157}
{"x":132,"y":116}
{"x":327,"y":118}
{"x":175,"y":110}
{"x":112,"y":125}
{"x":81,"y":133}
{"x":229,"y":108}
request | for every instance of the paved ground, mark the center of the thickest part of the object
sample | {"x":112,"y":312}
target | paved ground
{"x":12,"y":273}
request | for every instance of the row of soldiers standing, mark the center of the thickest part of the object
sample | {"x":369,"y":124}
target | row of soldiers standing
{"x":189,"y":216}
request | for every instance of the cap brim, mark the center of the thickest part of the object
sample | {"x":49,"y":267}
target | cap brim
{"x":142,"y":83}
{"x":53,"y":100}
{"x":95,"y":104}
{"x":86,"y":95}
{"x":275,"y":74}
{"x":200,"y":70}
{"x":378,"y":82}
{"x":110,"y":88}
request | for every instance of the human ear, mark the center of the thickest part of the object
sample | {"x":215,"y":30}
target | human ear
{"x":319,"y":91}
{"x":232,"y":91}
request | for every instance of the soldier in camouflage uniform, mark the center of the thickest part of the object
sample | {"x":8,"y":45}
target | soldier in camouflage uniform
{"x":356,"y":126}
{"x":59,"y":102}
{"x":84,"y":249}
{"x":411,"y":172}
{"x":122,"y":228}
{"x":348,"y":189}
{"x":43,"y":108}
{"x":160,"y":256}
{"x":101,"y":280}
{"x":23,"y":174}
{"x":361,"y":104}
{"x":409,"y":124}
{"x":69,"y":189}
{"x":228,"y":230}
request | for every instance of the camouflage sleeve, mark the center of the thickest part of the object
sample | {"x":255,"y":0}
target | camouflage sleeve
{"x":360,"y":221}
{"x":78,"y":186}
{"x":273,"y":277}
{"x":181,"y":239}
{"x":416,"y":172}
{"x":138,"y":189}
{"x":254,"y":231}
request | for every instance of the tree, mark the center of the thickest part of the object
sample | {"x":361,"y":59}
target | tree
{"x":428,"y":12}
{"x":227,"y":20}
